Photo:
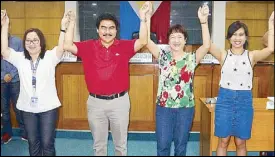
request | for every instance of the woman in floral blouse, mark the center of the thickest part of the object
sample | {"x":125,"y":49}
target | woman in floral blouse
{"x":175,"y":99}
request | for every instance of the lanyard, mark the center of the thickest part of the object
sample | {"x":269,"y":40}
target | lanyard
{"x":34,"y":68}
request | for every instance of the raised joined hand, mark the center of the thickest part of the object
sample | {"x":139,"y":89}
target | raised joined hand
{"x":4,"y":18}
{"x":203,"y":13}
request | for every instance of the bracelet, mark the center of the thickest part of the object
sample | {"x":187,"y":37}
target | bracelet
{"x":62,"y":30}
{"x":204,"y":23}
{"x":143,"y":20}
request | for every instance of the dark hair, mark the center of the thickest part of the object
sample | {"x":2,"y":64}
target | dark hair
{"x":42,"y":43}
{"x":233,"y":28}
{"x":107,"y":16}
{"x":177,"y":29}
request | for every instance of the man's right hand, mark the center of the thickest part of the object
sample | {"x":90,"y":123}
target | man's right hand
{"x":150,"y":11}
{"x":7,"y":78}
{"x":71,"y":16}
{"x":144,"y":9}
{"x":4,"y":18}
{"x":65,"y":21}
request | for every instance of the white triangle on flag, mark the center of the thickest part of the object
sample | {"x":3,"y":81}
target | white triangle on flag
{"x":156,"y":5}
{"x":136,"y":7}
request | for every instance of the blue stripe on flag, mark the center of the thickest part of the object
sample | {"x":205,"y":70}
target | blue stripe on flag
{"x":129,"y":20}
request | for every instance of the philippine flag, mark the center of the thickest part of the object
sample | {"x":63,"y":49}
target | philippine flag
{"x":130,"y":22}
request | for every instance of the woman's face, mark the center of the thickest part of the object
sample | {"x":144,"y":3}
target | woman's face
{"x":177,"y":41}
{"x":32,"y":43}
{"x":238,"y":39}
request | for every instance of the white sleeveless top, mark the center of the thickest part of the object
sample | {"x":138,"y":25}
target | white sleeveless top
{"x":237,"y":72}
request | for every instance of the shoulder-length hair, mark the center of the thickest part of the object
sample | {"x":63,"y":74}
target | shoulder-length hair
{"x":234,"y":27}
{"x":42,"y":43}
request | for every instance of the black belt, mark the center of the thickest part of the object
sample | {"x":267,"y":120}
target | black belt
{"x":108,"y":97}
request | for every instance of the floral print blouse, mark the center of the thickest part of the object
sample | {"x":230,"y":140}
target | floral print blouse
{"x":175,"y":88}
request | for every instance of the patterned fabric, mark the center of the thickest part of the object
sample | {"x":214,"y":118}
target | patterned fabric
{"x":238,"y":66}
{"x":176,"y":80}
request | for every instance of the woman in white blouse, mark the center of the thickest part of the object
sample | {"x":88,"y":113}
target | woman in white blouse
{"x":38,"y":98}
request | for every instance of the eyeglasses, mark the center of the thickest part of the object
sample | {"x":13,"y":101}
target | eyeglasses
{"x":28,"y":42}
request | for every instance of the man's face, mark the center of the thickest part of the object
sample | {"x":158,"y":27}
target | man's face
{"x":107,"y":31}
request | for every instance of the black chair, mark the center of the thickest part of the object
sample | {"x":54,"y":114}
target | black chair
{"x":153,"y":36}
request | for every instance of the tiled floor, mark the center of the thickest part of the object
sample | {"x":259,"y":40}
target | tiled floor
{"x":71,"y":143}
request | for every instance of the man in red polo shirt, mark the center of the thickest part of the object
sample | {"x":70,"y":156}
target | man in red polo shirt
{"x":106,"y":67}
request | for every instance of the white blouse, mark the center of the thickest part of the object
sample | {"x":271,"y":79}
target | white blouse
{"x":45,"y":81}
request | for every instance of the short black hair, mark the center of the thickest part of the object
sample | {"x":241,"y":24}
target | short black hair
{"x":107,"y":16}
{"x":234,"y":27}
{"x":177,"y":29}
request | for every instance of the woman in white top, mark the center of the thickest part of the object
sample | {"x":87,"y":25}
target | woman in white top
{"x":234,"y":109}
{"x":38,"y":98}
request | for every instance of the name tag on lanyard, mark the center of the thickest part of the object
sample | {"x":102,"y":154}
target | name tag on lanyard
{"x":34,"y":98}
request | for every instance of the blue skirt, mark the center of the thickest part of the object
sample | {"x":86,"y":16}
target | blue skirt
{"x":234,"y":113}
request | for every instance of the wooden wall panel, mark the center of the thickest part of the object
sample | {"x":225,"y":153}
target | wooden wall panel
{"x":255,"y":27}
{"x":141,"y":104}
{"x":255,"y":43}
{"x":47,"y":26}
{"x":259,"y":28}
{"x":75,"y":98}
{"x":270,"y":6}
{"x":14,"y":9}
{"x":242,"y":10}
{"x":51,"y":41}
{"x":45,"y":9}
{"x":16,"y":13}
{"x":142,"y":92}
{"x":270,"y":58}
{"x":202,"y":89}
{"x":255,"y":89}
{"x":17,"y":26}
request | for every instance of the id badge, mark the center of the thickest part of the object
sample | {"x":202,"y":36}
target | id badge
{"x":34,"y":101}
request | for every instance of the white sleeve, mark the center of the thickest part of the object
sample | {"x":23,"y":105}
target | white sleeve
{"x":52,"y":54}
{"x":15,"y":57}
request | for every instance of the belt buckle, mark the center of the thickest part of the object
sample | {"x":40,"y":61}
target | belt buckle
{"x":110,"y":97}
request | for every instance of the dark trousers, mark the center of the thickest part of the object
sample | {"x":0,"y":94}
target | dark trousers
{"x":40,"y":128}
{"x":173,"y":124}
{"x":9,"y":94}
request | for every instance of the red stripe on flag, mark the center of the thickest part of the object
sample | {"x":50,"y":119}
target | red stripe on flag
{"x":160,"y":22}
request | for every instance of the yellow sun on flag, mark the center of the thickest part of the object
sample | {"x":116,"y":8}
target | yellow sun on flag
{"x":136,"y":5}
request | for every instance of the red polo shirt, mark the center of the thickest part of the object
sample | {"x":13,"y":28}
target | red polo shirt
{"x":106,"y":69}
